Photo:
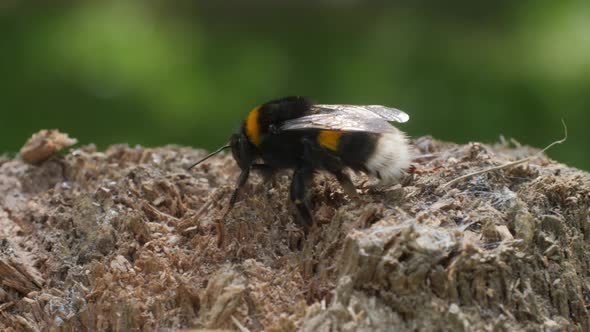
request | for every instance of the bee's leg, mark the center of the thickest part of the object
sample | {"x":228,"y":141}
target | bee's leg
{"x":301,"y":177}
{"x":241,"y":182}
{"x":332,"y":164}
{"x":346,"y":183}
{"x":311,"y":153}
{"x":266,"y":171}
{"x":232,"y":201}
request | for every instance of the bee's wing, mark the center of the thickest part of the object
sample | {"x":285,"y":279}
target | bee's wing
{"x":383,"y":112}
{"x":369,"y":118}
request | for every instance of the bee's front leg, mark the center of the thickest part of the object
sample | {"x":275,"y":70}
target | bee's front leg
{"x":241,"y":182}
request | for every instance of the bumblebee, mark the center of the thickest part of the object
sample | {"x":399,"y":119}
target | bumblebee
{"x":294,"y":133}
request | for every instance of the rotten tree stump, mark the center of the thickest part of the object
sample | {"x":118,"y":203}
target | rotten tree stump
{"x":127,"y":239}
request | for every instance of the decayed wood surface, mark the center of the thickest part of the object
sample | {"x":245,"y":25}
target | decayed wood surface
{"x":127,"y":239}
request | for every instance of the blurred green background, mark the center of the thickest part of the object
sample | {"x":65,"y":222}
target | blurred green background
{"x":187,"y":72}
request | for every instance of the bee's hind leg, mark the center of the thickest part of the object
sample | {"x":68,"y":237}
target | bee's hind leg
{"x":347,"y":185}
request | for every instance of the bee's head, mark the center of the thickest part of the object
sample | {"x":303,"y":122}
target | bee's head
{"x":242,"y":150}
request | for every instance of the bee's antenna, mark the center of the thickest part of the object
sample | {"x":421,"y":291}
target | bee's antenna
{"x":209,"y":156}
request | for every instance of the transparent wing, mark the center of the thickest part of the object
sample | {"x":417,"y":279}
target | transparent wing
{"x":369,"y":118}
{"x":384,"y":112}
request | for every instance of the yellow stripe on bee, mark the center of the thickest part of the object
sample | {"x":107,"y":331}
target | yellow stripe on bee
{"x":253,"y":127}
{"x":330,"y":139}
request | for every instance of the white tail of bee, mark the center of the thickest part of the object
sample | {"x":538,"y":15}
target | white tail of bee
{"x":392,"y":156}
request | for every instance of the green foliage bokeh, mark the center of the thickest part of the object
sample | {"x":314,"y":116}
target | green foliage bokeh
{"x":185,"y":72}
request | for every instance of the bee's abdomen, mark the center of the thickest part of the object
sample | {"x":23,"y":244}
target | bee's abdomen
{"x":356,"y":148}
{"x":385,"y":156}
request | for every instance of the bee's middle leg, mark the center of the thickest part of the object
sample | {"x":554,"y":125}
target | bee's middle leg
{"x":301,"y":178}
